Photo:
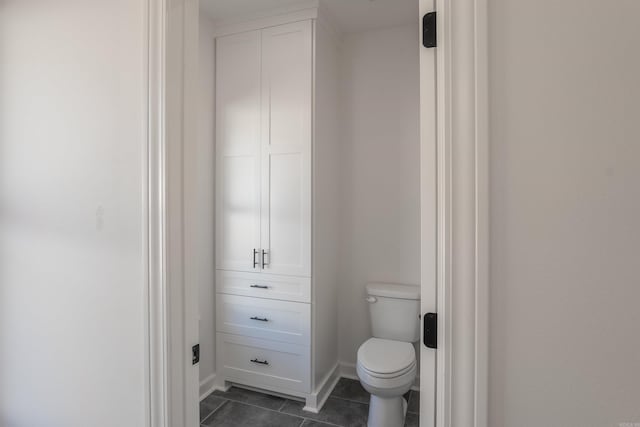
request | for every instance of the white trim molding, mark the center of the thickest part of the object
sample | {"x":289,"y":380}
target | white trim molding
{"x":156,"y":321}
{"x":348,"y":370}
{"x":291,"y":14}
{"x":463,"y":214}
{"x":172,"y":394}
{"x":319,"y":397}
{"x":207,"y":386}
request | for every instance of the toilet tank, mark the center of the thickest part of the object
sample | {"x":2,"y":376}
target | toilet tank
{"x":394,"y":311}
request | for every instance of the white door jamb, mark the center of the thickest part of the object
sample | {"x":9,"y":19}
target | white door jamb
{"x":463,"y":214}
{"x":156,"y":362}
{"x":171,"y":311}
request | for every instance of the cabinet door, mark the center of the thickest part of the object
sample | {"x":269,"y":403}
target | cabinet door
{"x":286,"y":148}
{"x":238,"y":133}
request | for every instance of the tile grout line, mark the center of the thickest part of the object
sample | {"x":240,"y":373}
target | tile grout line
{"x":325,"y":422}
{"x":261,"y":407}
{"x":349,"y":400}
{"x":279,"y":412}
{"x":302,"y":418}
{"x":367,"y":403}
{"x":212,"y":412}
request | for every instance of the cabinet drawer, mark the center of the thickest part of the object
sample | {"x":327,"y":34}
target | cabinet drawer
{"x":275,"y":320}
{"x":263,"y":285}
{"x":264,"y":364}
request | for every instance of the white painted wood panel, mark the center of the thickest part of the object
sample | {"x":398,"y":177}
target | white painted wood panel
{"x":280,"y":287}
{"x":263,"y":285}
{"x":285,"y":366}
{"x":238,"y":151}
{"x":286,"y":148}
{"x":282,"y":321}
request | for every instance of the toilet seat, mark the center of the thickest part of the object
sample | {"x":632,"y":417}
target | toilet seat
{"x":390,"y":386}
{"x":388,"y":376}
{"x":386,"y":359}
{"x":386,"y":367}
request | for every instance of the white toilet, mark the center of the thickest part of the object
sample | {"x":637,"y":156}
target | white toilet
{"x":387,"y":362}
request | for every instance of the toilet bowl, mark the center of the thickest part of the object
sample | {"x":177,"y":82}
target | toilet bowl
{"x":386,"y":364}
{"x":387,"y":370}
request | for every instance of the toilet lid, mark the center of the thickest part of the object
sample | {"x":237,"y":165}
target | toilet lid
{"x":386,"y":356}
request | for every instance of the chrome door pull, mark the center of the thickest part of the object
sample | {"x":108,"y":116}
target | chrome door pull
{"x":261,"y":319}
{"x":264,"y":255}
{"x":260,"y":362}
{"x":255,"y":252}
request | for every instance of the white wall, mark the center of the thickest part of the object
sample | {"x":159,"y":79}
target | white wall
{"x":381,"y":176}
{"x":565,"y":202}
{"x":200,"y":204}
{"x":72,"y":145}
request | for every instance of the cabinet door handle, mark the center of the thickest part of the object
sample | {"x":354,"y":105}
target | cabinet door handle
{"x":261,"y":319}
{"x":260,"y":362}
{"x":255,"y":252}
{"x":264,"y":255}
{"x":259,"y":286}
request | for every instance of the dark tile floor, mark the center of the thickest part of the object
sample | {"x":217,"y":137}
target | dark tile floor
{"x":348,"y":406}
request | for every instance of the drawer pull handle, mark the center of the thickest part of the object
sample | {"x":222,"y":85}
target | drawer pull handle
{"x":259,"y":362}
{"x":259,"y":286}
{"x":261,"y":319}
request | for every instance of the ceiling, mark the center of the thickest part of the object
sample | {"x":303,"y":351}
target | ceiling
{"x":349,"y":15}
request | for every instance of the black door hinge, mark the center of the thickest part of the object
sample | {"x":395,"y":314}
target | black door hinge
{"x":195,"y":354}
{"x":430,"y":330}
{"x":429,"y":34}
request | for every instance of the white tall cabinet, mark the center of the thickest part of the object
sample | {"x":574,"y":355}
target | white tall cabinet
{"x":276,"y":194}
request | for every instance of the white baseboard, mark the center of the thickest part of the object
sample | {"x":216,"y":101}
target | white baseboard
{"x":207,"y":386}
{"x":317,"y":399}
{"x":348,"y":370}
{"x":313,"y":401}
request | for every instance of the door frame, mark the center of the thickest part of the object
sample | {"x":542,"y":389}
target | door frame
{"x":462,"y":248}
{"x":172,"y":386}
{"x":462,"y":216}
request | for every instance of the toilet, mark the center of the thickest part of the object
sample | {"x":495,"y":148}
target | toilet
{"x":387,"y":361}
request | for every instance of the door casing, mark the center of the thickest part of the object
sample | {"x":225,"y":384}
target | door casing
{"x":459,"y":259}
